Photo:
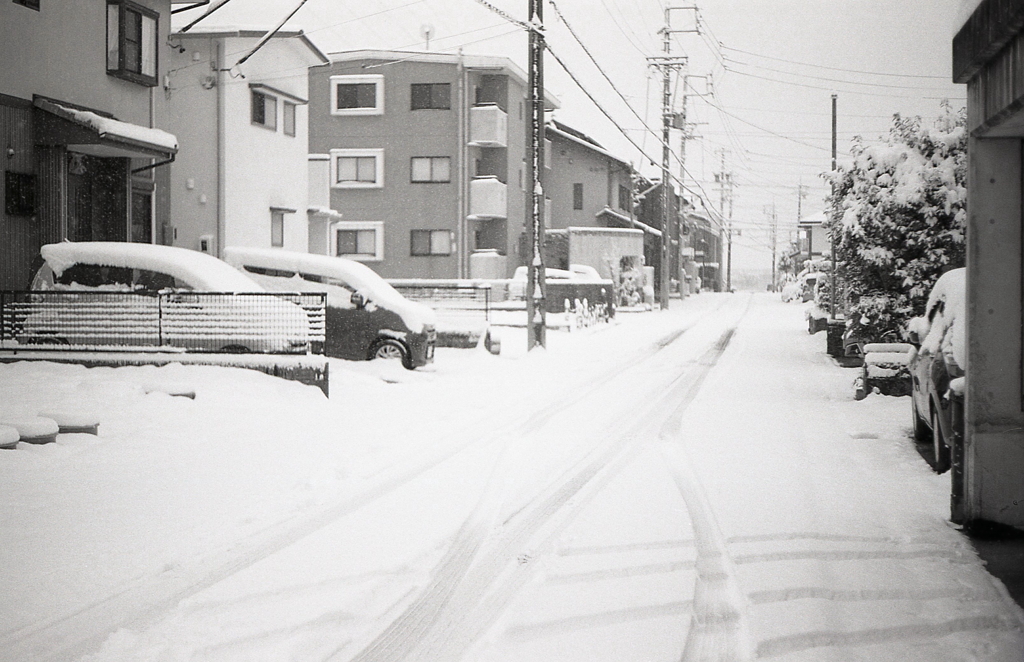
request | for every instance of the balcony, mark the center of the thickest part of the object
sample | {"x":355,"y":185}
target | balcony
{"x":488,"y":126}
{"x":488,"y":198}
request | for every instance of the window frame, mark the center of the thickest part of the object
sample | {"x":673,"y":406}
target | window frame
{"x":430,"y":97}
{"x":289,"y":117}
{"x":378,"y":154}
{"x":122,"y":70}
{"x":430,"y":243}
{"x":356,"y":226}
{"x":277,"y":228}
{"x":577,"y":196}
{"x":357,"y":79}
{"x":432,"y":179}
{"x":267,"y":98}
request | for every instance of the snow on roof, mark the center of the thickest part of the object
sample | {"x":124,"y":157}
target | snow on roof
{"x":360,"y":277}
{"x":107,"y":127}
{"x":201,"y":271}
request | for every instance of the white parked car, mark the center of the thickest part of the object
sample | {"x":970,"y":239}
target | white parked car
{"x":89,"y":294}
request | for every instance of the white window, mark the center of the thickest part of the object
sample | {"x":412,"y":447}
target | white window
{"x":358,"y":240}
{"x":431,"y":242}
{"x":357,"y":95}
{"x":431,"y":169}
{"x":276,"y":228}
{"x":357,"y":168}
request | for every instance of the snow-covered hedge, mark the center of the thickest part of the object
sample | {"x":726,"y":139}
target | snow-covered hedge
{"x":901,"y":222}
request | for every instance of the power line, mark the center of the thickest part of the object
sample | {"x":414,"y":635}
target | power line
{"x":828,"y":79}
{"x":821,"y":66}
{"x":833,"y":89}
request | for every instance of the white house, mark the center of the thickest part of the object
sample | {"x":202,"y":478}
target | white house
{"x":242,"y":174}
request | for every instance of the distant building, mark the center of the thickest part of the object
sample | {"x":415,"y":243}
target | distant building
{"x":814,"y":241}
{"x":241,"y":177}
{"x":423,"y":155}
{"x":83,"y":157}
{"x":707,"y":243}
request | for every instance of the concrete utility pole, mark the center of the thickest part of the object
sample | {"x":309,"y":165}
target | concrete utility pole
{"x":774,"y":235}
{"x":831,"y":235}
{"x":666,"y":63}
{"x":536,"y":315}
{"x":801,"y":193}
{"x":725,"y":185}
{"x":684,"y":135}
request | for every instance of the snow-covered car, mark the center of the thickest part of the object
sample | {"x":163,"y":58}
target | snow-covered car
{"x":366,"y":317}
{"x":576,"y":272}
{"x":103,"y":294}
{"x":936,"y":361}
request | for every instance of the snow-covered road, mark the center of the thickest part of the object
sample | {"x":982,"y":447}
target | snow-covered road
{"x":696,"y":484}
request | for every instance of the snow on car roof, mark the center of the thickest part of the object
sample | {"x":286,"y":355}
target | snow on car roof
{"x":947,"y":329}
{"x":199,"y":270}
{"x":360,"y":277}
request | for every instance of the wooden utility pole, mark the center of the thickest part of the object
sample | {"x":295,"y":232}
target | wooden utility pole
{"x":536,"y":315}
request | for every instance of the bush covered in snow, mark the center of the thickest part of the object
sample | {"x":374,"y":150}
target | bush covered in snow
{"x":901,"y":220}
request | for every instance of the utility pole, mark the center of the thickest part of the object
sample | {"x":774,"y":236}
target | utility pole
{"x":801,"y":193}
{"x":666,"y":63}
{"x":725,"y":184}
{"x":774,"y":237}
{"x":684,"y":136}
{"x":536,"y":316}
{"x":832,"y":235}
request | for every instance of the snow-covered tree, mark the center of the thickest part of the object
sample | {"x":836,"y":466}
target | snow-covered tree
{"x":901,"y":220}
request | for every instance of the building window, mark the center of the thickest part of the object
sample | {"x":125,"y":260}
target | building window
{"x":31,"y":4}
{"x":357,"y":95}
{"x":357,"y":168}
{"x":435,"y":169}
{"x":431,"y":96}
{"x":132,"y":42}
{"x":362,"y":241}
{"x":289,"y":118}
{"x":624,"y":201}
{"x":19,"y":194}
{"x":264,"y":110}
{"x":577,"y":196}
{"x":431,"y":242}
{"x":276,"y":228}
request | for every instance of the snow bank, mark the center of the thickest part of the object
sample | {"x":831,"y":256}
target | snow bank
{"x":199,"y":270}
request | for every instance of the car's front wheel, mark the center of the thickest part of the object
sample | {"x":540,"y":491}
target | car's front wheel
{"x":391,"y":349}
{"x":942,"y":454}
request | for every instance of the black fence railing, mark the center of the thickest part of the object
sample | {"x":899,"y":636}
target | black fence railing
{"x":452,"y":302}
{"x":257,"y":322}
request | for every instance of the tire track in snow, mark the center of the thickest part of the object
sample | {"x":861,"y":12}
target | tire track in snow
{"x":444,"y":622}
{"x":71,"y":635}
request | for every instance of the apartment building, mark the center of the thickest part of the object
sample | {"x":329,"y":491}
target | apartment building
{"x":423,"y":156}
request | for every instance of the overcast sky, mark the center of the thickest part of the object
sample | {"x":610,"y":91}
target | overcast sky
{"x":773,"y":66}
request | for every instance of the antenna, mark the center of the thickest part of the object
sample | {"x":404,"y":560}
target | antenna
{"x":426,"y":31}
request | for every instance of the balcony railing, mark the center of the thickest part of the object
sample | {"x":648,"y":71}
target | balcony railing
{"x":488,"y":126}
{"x":488,"y":198}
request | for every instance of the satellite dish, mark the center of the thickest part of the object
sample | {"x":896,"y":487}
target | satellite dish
{"x":427,"y":31}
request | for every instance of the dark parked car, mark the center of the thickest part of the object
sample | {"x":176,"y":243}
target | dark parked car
{"x":366,"y":317}
{"x":936,"y":362}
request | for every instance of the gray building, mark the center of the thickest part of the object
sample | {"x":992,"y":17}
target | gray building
{"x":423,"y":155}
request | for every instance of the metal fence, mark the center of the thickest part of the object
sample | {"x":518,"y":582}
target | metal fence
{"x":453,"y":303}
{"x":262,"y":322}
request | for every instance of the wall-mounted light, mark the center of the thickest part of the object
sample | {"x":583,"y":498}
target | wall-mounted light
{"x":10,"y":152}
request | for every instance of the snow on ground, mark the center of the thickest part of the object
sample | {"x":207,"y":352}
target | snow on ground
{"x":261,"y":520}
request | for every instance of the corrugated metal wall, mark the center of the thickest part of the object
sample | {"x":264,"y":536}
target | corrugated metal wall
{"x":19,"y":235}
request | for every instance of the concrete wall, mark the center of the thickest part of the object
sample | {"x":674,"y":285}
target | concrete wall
{"x":602,"y":248}
{"x":994,"y":449}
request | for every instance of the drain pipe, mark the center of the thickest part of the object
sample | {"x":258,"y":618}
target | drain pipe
{"x":219,"y":68}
